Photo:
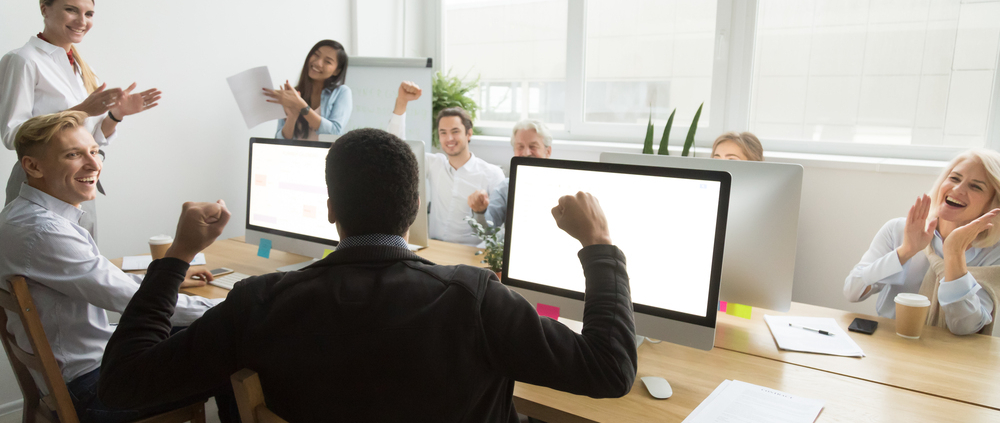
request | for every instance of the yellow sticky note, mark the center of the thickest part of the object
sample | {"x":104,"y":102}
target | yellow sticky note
{"x":326,"y":252}
{"x":738,"y":310}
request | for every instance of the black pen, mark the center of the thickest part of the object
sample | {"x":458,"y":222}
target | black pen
{"x":821,"y":332}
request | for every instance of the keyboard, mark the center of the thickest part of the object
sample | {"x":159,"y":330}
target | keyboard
{"x":227,"y":281}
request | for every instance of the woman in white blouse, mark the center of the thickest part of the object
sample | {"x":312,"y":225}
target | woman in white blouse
{"x":47,"y":75}
{"x":958,"y":221}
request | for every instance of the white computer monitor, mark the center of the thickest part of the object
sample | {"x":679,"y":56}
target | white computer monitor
{"x":669,"y":223}
{"x":761,"y":234}
{"x":287,"y":195}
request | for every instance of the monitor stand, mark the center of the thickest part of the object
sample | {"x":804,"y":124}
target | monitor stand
{"x":296,"y":266}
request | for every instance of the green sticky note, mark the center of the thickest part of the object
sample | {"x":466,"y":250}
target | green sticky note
{"x":738,"y":310}
{"x":326,"y":252}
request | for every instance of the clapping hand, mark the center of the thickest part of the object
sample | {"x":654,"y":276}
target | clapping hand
{"x":582,"y":218}
{"x":918,"y":231}
{"x":961,"y":238}
{"x":479,"y":201}
{"x":130,"y":104}
{"x":288,"y":97}
{"x":99,"y":101}
{"x":198,"y":227}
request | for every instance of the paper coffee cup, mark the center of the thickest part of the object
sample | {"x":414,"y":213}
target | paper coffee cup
{"x":159,"y":244}
{"x":911,"y":314}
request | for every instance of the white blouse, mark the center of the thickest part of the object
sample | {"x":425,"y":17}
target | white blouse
{"x":38,"y":79}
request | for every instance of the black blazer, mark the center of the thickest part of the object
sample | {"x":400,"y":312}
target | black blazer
{"x":375,"y":333}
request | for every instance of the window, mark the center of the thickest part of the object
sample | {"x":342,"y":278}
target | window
{"x":879,"y":72}
{"x":518,"y":51}
{"x":896,"y":78}
{"x":644,"y":54}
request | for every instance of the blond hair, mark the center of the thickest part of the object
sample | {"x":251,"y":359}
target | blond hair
{"x":87,"y":74}
{"x":990,"y":160}
{"x":746,"y":141}
{"x":39,"y":130}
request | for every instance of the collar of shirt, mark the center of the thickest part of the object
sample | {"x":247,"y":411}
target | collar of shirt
{"x":372,"y":239}
{"x":468,"y":165}
{"x":52,"y":48}
{"x":938,"y":244}
{"x":50,"y":203}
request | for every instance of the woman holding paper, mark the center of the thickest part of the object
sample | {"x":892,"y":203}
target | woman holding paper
{"x":957,"y":226}
{"x":48,"y":75}
{"x":320,"y":103}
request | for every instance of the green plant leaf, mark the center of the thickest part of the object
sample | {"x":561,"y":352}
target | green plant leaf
{"x":690,"y":138}
{"x":664,"y":149}
{"x":647,"y":145}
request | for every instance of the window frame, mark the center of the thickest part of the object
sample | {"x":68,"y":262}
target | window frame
{"x":732,"y":85}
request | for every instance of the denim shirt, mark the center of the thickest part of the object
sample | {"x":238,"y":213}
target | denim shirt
{"x":334,"y":110}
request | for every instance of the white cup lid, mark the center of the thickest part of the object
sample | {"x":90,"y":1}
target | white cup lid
{"x":160,"y":239}
{"x":912,"y":300}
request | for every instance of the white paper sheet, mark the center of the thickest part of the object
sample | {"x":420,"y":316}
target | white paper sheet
{"x":735,"y":401}
{"x":142,"y":262}
{"x":796,"y":339}
{"x":247,"y":87}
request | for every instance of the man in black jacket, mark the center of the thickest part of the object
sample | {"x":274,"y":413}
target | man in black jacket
{"x":373,"y":332}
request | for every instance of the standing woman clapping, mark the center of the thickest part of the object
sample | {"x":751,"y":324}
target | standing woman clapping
{"x":320,"y":103}
{"x":48,"y":75}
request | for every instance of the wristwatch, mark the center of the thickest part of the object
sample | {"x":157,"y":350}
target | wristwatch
{"x":304,"y":111}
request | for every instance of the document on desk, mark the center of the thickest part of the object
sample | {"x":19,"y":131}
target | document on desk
{"x":248,"y":89}
{"x":803,"y":334}
{"x":736,"y":402}
{"x":142,"y":262}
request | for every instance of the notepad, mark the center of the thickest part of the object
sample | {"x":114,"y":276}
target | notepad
{"x":797,"y":339}
{"x":142,"y":262}
{"x":735,"y":401}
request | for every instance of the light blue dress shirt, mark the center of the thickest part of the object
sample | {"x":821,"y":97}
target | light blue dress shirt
{"x":966,"y":305}
{"x":335,"y":108}
{"x":70,"y":282}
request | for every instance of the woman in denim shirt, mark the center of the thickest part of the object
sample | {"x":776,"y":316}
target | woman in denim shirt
{"x":320,"y":103}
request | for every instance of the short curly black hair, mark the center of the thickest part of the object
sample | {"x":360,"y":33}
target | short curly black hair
{"x":373,"y":182}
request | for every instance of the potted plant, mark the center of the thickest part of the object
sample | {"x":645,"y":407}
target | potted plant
{"x":493,"y":237}
{"x":647,"y":146}
{"x":451,"y":91}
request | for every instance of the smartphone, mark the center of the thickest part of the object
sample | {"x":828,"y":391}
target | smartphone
{"x":863,"y":326}
{"x":220,"y":271}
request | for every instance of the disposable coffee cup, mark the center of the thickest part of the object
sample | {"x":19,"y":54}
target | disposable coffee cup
{"x":159,"y":244}
{"x":911,"y":315}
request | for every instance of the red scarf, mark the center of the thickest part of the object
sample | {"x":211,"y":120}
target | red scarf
{"x":69,"y":54}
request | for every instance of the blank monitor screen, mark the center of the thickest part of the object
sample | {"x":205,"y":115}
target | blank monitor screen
{"x":762,"y":232}
{"x":669,"y":223}
{"x":286,"y":191}
{"x":286,"y":197}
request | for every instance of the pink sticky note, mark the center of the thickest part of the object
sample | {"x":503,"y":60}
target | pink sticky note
{"x":722,"y":306}
{"x":548,"y":311}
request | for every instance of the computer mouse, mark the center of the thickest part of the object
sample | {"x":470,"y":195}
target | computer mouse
{"x":658,"y":387}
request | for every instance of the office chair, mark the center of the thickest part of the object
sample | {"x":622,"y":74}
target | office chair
{"x":250,"y":398}
{"x":57,"y":407}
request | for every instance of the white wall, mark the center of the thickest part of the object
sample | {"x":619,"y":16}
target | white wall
{"x":193,"y":146}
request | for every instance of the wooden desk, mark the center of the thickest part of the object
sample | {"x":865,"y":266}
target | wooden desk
{"x":962,"y":368}
{"x":236,"y":254}
{"x":747,"y":353}
{"x":694,"y":374}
